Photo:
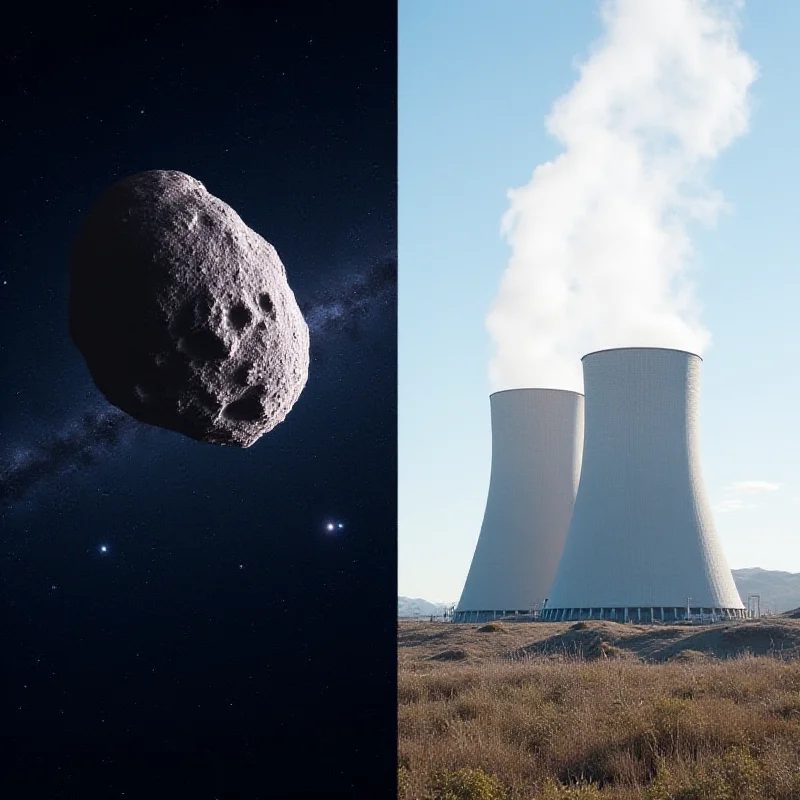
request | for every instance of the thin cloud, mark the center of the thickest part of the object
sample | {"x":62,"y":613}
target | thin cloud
{"x":751,"y":487}
{"x":734,"y":495}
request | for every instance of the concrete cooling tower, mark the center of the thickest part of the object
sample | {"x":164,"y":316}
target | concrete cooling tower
{"x":537,"y":437}
{"x":642,"y":545}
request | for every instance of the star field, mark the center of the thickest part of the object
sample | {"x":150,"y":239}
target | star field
{"x":168,"y":603}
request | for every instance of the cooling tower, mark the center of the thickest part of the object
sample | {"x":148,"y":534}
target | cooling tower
{"x":537,"y":436}
{"x":642,"y":545}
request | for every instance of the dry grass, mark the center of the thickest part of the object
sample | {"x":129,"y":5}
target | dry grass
{"x":496,"y":724}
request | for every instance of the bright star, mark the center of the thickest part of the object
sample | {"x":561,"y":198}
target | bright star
{"x":334,"y":526}
{"x":103,"y":548}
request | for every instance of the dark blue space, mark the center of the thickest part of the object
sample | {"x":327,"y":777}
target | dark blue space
{"x":224,"y":644}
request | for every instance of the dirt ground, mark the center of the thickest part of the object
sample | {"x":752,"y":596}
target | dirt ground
{"x":421,"y":643}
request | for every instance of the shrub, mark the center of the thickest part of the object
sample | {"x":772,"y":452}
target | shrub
{"x":734,"y":776}
{"x":608,"y":650}
{"x":466,"y":784}
{"x":689,"y":655}
{"x":402,"y":783}
{"x":575,"y":791}
{"x":742,"y":773}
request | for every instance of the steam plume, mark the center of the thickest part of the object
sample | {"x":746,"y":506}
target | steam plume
{"x":600,"y":236}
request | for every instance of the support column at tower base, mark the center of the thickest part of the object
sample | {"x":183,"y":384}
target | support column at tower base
{"x":644,"y":615}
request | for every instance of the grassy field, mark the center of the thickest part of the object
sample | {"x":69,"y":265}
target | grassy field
{"x":599,"y":710}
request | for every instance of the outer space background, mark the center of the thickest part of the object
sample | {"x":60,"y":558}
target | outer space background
{"x":178,"y":619}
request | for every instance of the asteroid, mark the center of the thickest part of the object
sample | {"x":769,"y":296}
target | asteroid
{"x":183,"y":314}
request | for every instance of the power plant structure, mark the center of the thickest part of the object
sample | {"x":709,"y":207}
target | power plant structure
{"x":642,"y":545}
{"x":614,"y":525}
{"x":537,"y":439}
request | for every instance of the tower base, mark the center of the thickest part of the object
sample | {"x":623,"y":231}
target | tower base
{"x":490,"y":616}
{"x":644,"y":616}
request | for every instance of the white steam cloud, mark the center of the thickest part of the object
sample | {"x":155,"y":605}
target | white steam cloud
{"x":599,"y":236}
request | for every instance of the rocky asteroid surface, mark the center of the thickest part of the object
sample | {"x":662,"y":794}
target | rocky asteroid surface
{"x":184,"y":314}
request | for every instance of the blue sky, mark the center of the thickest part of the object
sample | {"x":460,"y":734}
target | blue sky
{"x":475,"y":88}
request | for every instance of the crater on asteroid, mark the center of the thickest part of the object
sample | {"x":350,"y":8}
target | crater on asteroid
{"x":183,"y":314}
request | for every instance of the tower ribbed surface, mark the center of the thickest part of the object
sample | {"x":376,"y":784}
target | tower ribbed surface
{"x":537,"y":438}
{"x":642,"y":543}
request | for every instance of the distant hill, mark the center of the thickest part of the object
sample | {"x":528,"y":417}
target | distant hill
{"x":780,"y":591}
{"x":414,"y":607}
